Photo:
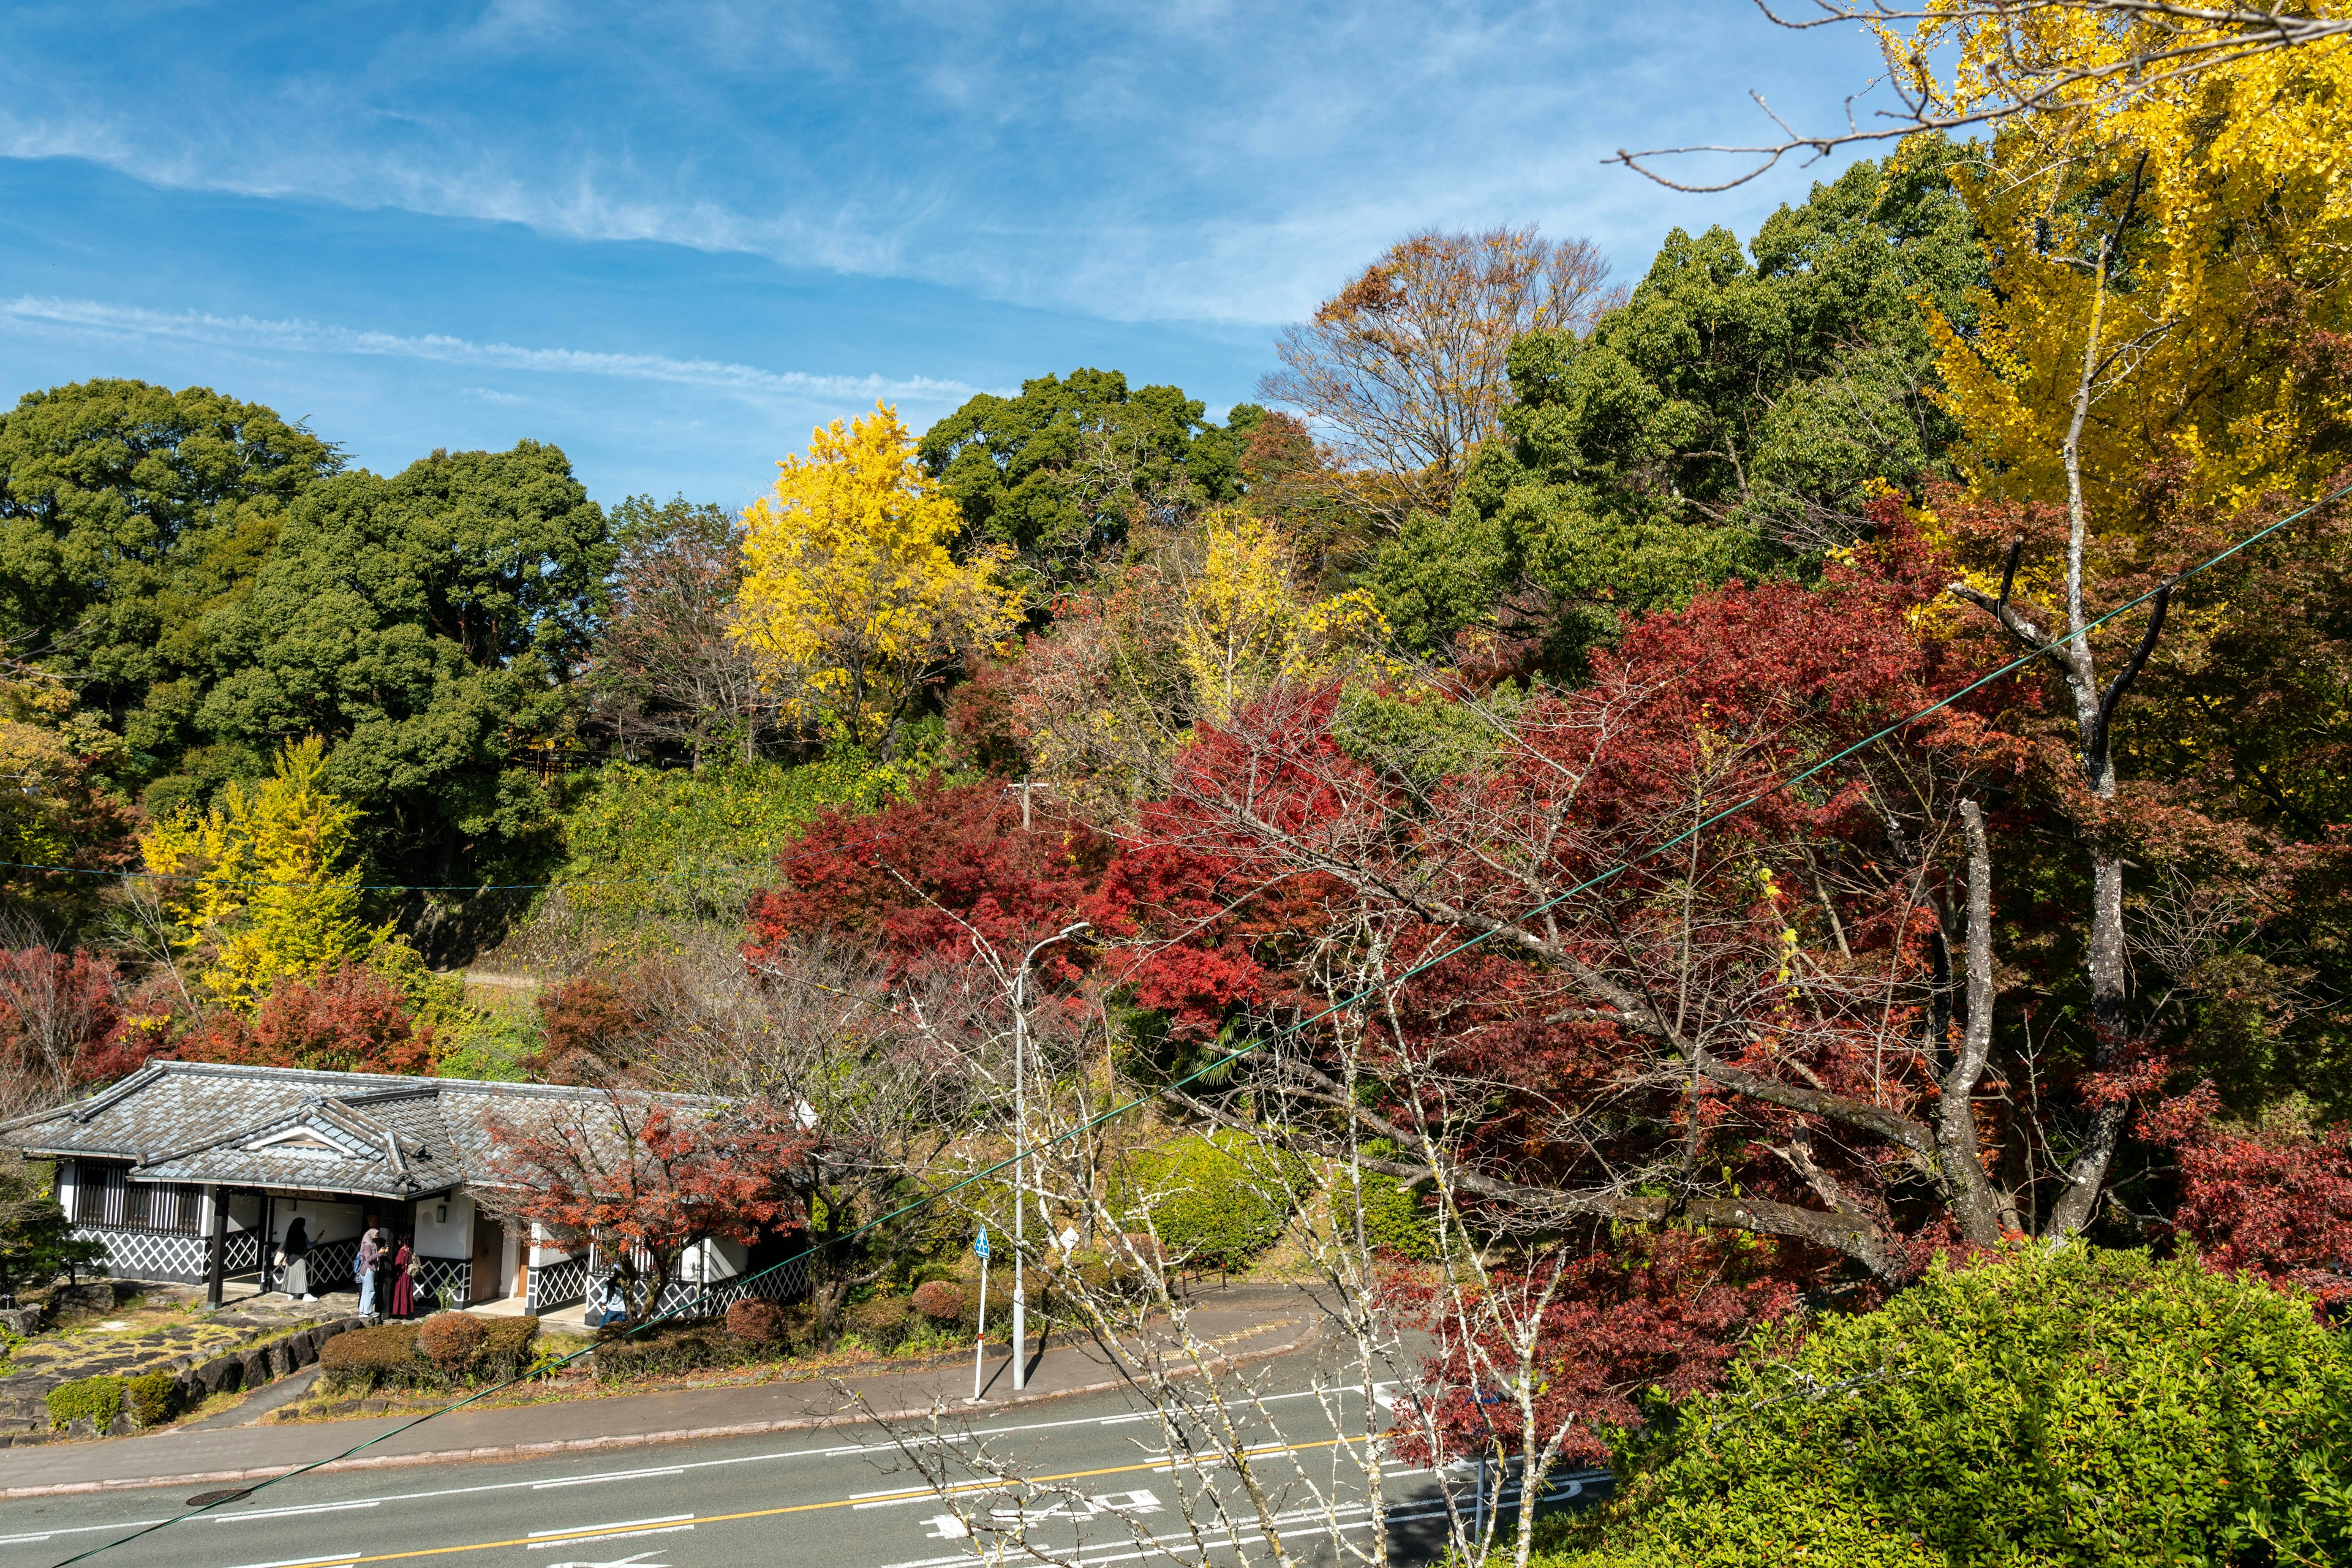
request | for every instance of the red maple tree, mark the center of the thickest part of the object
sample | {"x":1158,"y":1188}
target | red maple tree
{"x":644,"y":1178}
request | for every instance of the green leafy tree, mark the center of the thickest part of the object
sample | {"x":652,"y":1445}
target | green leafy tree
{"x":132,"y":517}
{"x":1065,"y":470}
{"x":425,"y":626}
{"x":1733,"y":417}
{"x":36,"y":1244}
{"x":2071,"y":1406}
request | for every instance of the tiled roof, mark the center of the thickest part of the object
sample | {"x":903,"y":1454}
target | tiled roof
{"x":284,"y":1127}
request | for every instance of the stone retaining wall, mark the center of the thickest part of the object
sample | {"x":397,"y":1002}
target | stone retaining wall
{"x":25,"y":1410}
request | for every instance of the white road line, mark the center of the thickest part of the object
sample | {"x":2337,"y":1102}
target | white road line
{"x":292,"y":1512}
{"x":600,"y":1528}
{"x":303,"y":1562}
{"x":595,"y":1480}
{"x":616,"y":1535}
{"x":25,"y":1540}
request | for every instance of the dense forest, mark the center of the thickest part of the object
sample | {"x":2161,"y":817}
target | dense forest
{"x":1541,"y":754}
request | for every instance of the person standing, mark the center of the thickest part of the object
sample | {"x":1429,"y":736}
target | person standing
{"x":403,"y":1286}
{"x":365,"y":1266}
{"x":294,"y":1258}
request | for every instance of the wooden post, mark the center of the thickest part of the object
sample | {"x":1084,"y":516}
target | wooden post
{"x":216,"y":1246}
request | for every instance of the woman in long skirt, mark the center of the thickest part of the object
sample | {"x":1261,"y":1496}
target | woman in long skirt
{"x":404,"y":1289}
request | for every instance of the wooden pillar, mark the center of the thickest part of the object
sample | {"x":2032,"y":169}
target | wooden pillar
{"x":217,"y":1245}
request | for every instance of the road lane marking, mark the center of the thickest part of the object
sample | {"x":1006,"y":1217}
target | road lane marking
{"x":837,"y":1452}
{"x":553,"y":1536}
{"x":595,"y":1480}
{"x":293,"y":1511}
{"x":303,"y":1562}
{"x":574,"y":1530}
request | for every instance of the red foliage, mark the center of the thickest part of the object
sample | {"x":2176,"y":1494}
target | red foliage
{"x":594,"y":1026}
{"x":60,"y":1018}
{"x":644,"y":1178}
{"x":1668,"y":1317}
{"x":909,"y":880}
{"x":2275,"y":1203}
{"x":345,"y":1019}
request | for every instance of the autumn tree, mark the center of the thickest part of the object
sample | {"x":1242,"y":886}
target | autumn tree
{"x":60,"y":1016}
{"x":665,"y":672}
{"x":644,"y":1177}
{"x":263,"y":885}
{"x":58,"y":810}
{"x":853,"y":599}
{"x":1405,"y":365}
{"x":341,"y":1017}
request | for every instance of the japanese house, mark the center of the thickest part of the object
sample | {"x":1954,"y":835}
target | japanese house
{"x":193,"y":1172}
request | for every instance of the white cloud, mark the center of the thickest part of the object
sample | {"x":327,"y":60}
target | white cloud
{"x":254,"y":333}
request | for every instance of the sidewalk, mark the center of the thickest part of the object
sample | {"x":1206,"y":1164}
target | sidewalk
{"x":1246,"y":1323}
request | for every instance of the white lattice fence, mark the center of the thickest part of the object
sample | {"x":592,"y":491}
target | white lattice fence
{"x":446,"y":1281}
{"x":684,"y":1298}
{"x":148,"y":1254}
{"x":557,"y":1284}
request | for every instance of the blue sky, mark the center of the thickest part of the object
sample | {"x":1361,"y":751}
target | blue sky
{"x":669,"y":239}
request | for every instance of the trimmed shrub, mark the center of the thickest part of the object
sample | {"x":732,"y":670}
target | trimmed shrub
{"x":939,"y":1301}
{"x":505,"y":1347}
{"x":666,"y":1349}
{"x":756,"y":1321}
{"x":154,"y":1398}
{"x":96,"y":1399}
{"x":451,"y":1341}
{"x":880,"y":1322}
{"x":361,"y":1361}
{"x":2081,"y":1407}
{"x":1216,"y":1201}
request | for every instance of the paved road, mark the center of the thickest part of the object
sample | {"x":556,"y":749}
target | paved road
{"x":1099,"y":1492}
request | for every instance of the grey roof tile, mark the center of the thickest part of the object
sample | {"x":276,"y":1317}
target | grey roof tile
{"x":199,"y":1121}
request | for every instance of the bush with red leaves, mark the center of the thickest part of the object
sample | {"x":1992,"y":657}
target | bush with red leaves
{"x":1667,"y":1316}
{"x":756,"y":1321}
{"x":451,"y":1341}
{"x":940,"y":1300}
{"x":2275,"y":1202}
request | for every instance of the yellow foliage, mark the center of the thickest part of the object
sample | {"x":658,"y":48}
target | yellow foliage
{"x":1248,"y":628}
{"x":50,"y":748}
{"x":850,"y":595}
{"x":2239,"y":244}
{"x":265,"y":893}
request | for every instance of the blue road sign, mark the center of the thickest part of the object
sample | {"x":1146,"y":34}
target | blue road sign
{"x":980,"y":1243}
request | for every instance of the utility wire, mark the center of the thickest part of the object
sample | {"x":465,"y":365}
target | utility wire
{"x":1026,"y":1152}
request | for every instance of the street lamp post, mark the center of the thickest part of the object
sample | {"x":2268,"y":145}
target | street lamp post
{"x":1021,"y":1146}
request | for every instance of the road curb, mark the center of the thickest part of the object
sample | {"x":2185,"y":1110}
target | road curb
{"x":619,"y":1440}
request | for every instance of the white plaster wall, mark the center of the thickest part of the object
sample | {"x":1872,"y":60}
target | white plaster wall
{"x":453,"y":1237}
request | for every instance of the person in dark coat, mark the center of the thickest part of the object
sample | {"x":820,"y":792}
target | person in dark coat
{"x":294,"y":1261}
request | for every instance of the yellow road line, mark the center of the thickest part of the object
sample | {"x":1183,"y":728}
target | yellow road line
{"x":591,"y":1534}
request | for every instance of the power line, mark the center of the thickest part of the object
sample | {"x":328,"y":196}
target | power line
{"x":1026,"y":1151}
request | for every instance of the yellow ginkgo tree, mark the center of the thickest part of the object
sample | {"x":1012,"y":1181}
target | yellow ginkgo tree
{"x":262,"y":886}
{"x":1248,"y":627}
{"x":852,"y":596}
{"x":2164,"y":252}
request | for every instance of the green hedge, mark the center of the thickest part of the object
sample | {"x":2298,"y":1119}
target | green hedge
{"x":97,"y":1399}
{"x":387,"y":1356}
{"x":685,"y":1348}
{"x":1216,"y":1201}
{"x":2073,"y":1407}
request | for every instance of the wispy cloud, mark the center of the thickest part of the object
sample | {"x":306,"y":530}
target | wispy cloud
{"x":252,"y":334}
